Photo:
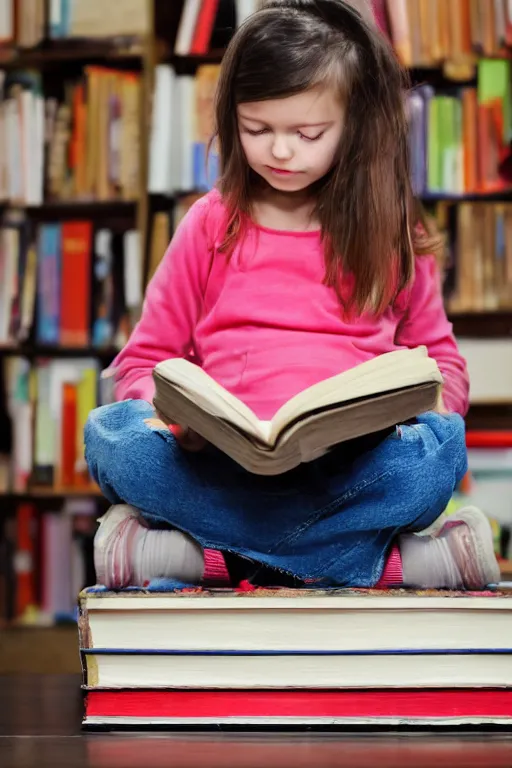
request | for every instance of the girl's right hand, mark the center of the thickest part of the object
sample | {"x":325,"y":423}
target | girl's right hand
{"x":187,"y":438}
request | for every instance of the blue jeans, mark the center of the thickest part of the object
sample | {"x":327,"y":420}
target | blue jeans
{"x":332,"y":520}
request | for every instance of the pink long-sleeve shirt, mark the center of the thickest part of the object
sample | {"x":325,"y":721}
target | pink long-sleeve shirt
{"x":264,"y":324}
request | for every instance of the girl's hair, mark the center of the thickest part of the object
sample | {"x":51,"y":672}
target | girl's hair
{"x":365,"y":204}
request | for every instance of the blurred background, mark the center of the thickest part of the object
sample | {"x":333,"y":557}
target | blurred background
{"x":105,"y":114}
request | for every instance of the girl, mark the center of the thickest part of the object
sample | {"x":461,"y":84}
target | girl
{"x":306,"y":260}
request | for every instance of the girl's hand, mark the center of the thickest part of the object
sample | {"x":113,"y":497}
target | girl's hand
{"x":440,"y":407}
{"x":187,"y":438}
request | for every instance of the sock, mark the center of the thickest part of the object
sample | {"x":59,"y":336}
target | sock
{"x":427,"y":562}
{"x":171,"y":554}
{"x":392,"y":574}
{"x":163,"y":554}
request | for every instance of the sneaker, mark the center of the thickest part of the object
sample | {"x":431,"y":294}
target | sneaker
{"x":469,"y":536}
{"x":113,"y":546}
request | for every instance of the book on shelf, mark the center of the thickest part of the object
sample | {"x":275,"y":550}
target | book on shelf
{"x":482,"y":268}
{"x":22,"y":23}
{"x":489,"y":439}
{"x":163,"y":224}
{"x":459,"y":138}
{"x":489,"y":484}
{"x":82,"y":145}
{"x":182,"y":125}
{"x":290,"y":656}
{"x":45,"y":561}
{"x":71,"y":283}
{"x":489,"y":363}
{"x":89,"y":19}
{"x":208,"y":24}
{"x":368,"y":398}
{"x":47,"y":403}
{"x":427,"y":33}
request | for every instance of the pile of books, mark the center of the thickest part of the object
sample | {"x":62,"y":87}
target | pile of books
{"x":292,"y":658}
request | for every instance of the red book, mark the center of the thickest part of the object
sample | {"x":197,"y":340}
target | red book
{"x":204,"y":27}
{"x":75,"y":283}
{"x":488,"y":439}
{"x":68,"y":436}
{"x":24,"y":561}
{"x":302,"y":707}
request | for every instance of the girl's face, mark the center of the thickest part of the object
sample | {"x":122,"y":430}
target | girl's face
{"x":292,"y":142}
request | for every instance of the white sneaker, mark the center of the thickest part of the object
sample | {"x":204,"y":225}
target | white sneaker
{"x":469,"y":536}
{"x":114,"y":545}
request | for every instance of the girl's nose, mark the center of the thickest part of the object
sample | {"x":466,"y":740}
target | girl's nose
{"x":281,"y":148}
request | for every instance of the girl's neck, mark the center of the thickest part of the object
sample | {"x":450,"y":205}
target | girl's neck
{"x":288,"y":211}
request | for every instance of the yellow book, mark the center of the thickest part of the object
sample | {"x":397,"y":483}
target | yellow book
{"x":86,"y":402}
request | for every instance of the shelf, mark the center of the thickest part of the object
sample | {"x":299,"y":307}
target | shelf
{"x":118,"y":51}
{"x":441,"y":197}
{"x":494,"y":416}
{"x":52,"y":208}
{"x":185,"y":65}
{"x":41,"y":350}
{"x":52,"y":494}
{"x":482,"y":325}
{"x":126,"y":52}
{"x":59,"y":493}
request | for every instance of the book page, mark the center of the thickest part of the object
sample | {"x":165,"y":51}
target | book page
{"x":393,"y":370}
{"x":211,"y":397}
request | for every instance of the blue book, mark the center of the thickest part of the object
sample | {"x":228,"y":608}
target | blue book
{"x":48,"y":288}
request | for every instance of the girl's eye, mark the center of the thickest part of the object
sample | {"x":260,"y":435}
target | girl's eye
{"x":262,"y":131}
{"x":310,"y":138}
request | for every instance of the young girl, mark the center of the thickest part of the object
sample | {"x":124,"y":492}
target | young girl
{"x":306,"y":260}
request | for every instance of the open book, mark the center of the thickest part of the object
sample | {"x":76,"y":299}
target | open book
{"x":372,"y":396}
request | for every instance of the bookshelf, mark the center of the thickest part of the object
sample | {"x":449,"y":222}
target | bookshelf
{"x":443,"y":63}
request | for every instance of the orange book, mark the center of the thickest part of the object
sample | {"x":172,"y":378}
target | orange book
{"x":454,"y":29}
{"x":105,"y":85}
{"x":26,"y":522}
{"x":465,"y":29}
{"x":68,"y":436}
{"x":76,"y":283}
{"x":490,"y":42}
{"x":443,"y":20}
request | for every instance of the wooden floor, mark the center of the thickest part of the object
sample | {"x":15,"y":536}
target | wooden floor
{"x":40,"y":726}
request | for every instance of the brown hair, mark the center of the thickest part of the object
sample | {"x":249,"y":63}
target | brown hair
{"x":365,"y":203}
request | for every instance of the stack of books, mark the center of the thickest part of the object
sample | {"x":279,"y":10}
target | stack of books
{"x":292,"y":658}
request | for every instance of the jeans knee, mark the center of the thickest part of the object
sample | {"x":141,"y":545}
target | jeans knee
{"x":115,"y":433}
